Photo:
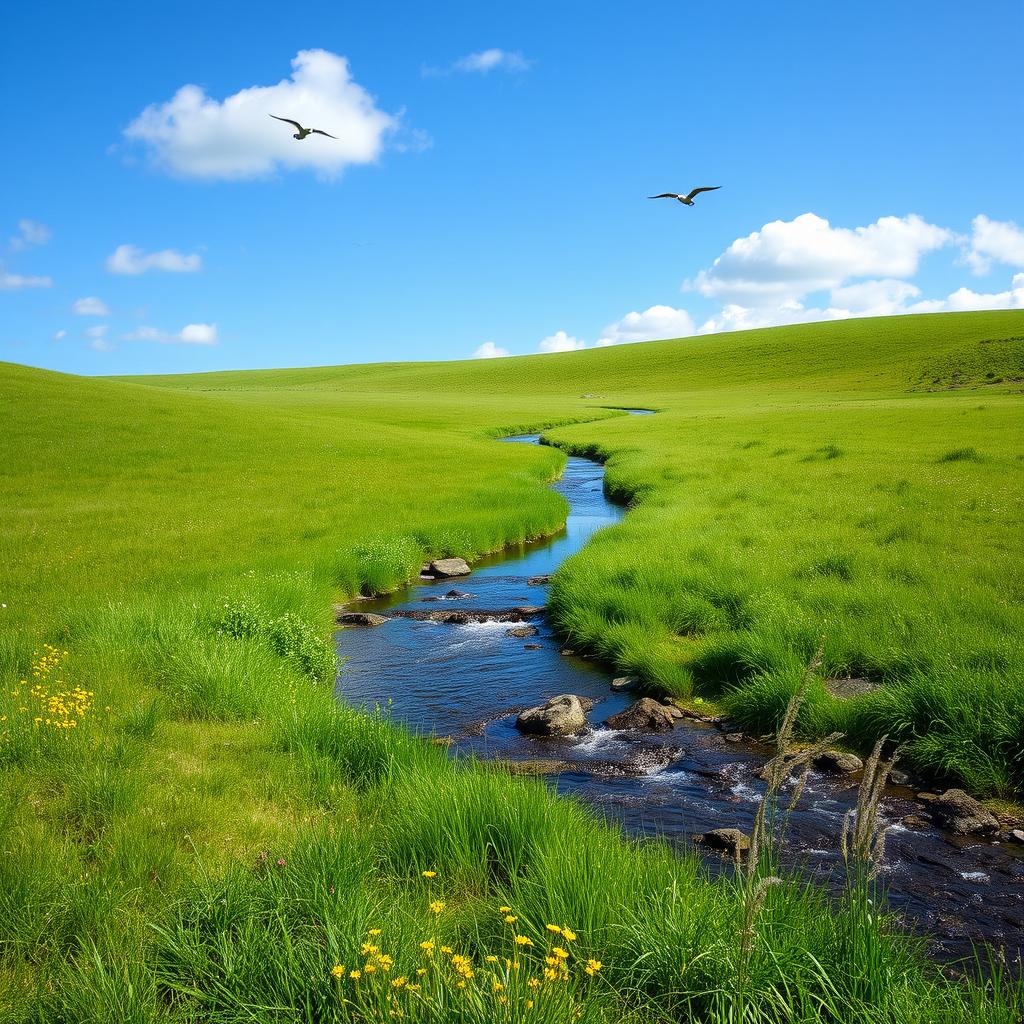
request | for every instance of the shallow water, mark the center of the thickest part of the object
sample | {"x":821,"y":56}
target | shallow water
{"x":464,"y":681}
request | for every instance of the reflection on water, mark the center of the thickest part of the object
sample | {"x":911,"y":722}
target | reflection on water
{"x":466,"y":682}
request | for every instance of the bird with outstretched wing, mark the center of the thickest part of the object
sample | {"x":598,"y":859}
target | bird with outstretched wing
{"x":302,"y":132}
{"x":686,"y":200}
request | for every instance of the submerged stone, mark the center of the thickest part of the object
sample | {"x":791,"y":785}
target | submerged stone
{"x":360,"y":619}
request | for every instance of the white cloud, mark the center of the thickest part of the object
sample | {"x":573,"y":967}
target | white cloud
{"x":129,"y":259}
{"x":18,"y":282}
{"x":787,"y":260}
{"x":193,"y":135}
{"x":30,"y":233}
{"x":965,"y":299}
{"x":652,"y":324}
{"x":98,"y":340}
{"x":994,"y":241}
{"x":90,"y":306}
{"x":875,"y":298}
{"x":561,"y":342}
{"x":484,"y":61}
{"x":190,"y":334}
{"x":488,"y":350}
{"x":58,"y":335}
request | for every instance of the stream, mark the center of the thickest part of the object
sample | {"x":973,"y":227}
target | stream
{"x":463,"y":682}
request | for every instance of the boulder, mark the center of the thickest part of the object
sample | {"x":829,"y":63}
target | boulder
{"x":360,"y":619}
{"x":962,"y":814}
{"x":521,"y":631}
{"x":442,"y":568}
{"x":837,"y":762}
{"x":624,"y":683}
{"x":561,"y":716}
{"x":734,"y":737}
{"x":1017,"y":835}
{"x":538,"y":581}
{"x":916,"y":823}
{"x":729,"y":840}
{"x":646,"y":715}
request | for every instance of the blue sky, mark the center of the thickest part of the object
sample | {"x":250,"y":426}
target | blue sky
{"x":487,"y":190}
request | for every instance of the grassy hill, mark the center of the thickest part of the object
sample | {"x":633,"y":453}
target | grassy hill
{"x":212,"y":833}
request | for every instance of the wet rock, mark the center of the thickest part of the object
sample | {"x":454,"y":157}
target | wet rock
{"x":443,"y":568}
{"x":1017,"y":835}
{"x":837,"y":762}
{"x":916,"y":823}
{"x":521,"y":631}
{"x":360,"y":619}
{"x":729,"y":840}
{"x":926,"y":798}
{"x":532,"y":647}
{"x":461,"y":616}
{"x":538,"y":581}
{"x":675,"y":712}
{"x":623,"y":683}
{"x":898,"y":778}
{"x":962,"y":814}
{"x":696,"y":716}
{"x":451,"y":595}
{"x":646,"y":715}
{"x":532,"y":766}
{"x":561,"y":716}
{"x":852,"y":686}
{"x":567,"y":652}
{"x":728,"y":725}
{"x":734,"y":737}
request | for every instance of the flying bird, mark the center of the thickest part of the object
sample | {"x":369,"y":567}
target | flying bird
{"x":302,"y":132}
{"x":686,"y":200}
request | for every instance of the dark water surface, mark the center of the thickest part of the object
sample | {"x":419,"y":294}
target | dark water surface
{"x":463,"y":681}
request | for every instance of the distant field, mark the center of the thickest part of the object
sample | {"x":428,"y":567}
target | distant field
{"x":179,"y":540}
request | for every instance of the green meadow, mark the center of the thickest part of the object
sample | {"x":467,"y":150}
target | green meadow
{"x":192,"y":829}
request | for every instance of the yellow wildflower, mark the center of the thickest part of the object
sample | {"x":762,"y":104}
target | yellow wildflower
{"x":504,"y":910}
{"x":420,"y":971}
{"x":374,"y":931}
{"x":355,"y":975}
{"x":533,"y":983}
{"x":427,"y":945}
{"x":523,"y":940}
{"x":368,"y":948}
{"x":510,"y":919}
{"x":369,"y":968}
{"x":553,"y":928}
{"x":446,"y":949}
{"x":560,"y":953}
{"x":430,"y":874}
{"x":399,"y":982}
{"x":593,"y":966}
{"x":568,"y":934}
{"x":337,"y":971}
{"x":437,"y":906}
{"x":491,"y":958}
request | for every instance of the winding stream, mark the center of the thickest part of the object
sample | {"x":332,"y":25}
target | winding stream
{"x":463,"y":681}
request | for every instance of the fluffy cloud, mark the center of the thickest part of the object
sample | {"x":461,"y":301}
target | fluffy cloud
{"x":787,"y":260}
{"x":129,"y":259}
{"x":98,"y":340}
{"x":561,"y":342}
{"x":195,"y":136}
{"x":59,"y":335}
{"x":488,"y":350}
{"x":994,"y":241}
{"x":875,"y":298}
{"x":652,"y":324}
{"x":965,"y":299}
{"x":30,"y":233}
{"x":484,"y":61}
{"x":18,"y":282}
{"x":190,"y":334}
{"x":90,"y":306}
